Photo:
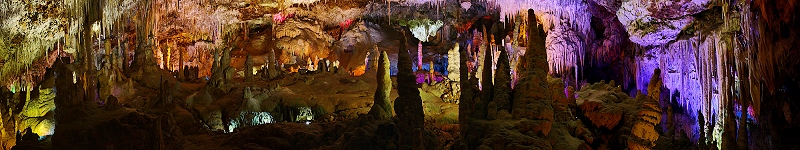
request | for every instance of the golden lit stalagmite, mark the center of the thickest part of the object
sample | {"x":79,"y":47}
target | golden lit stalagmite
{"x":382,"y":105}
{"x":643,"y":133}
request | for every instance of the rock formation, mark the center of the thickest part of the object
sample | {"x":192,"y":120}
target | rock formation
{"x":322,"y":66}
{"x":408,"y":106}
{"x":481,"y":105}
{"x":67,"y":100}
{"x":701,"y":122}
{"x":221,"y":71}
{"x":502,"y":83}
{"x":606,"y":107}
{"x":643,"y":133}
{"x":604,"y":104}
{"x":454,"y":63}
{"x":248,"y":68}
{"x":535,"y":106}
{"x":112,"y":103}
{"x":466,"y":102}
{"x":216,"y":72}
{"x":658,"y":22}
{"x":382,"y":105}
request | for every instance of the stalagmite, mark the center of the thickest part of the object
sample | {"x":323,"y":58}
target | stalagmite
{"x":469,"y":87}
{"x":481,"y":106}
{"x":419,"y":56}
{"x":502,"y":83}
{"x":431,"y":74}
{"x":373,"y":60}
{"x":382,"y":105}
{"x":643,"y":133}
{"x":215,"y":71}
{"x":248,"y":67}
{"x":742,"y":140}
{"x":66,"y":100}
{"x":533,"y":77}
{"x":729,"y":126}
{"x":453,"y":63}
{"x":224,"y":72}
{"x":273,"y":69}
{"x":410,"y":116}
{"x":181,"y":73}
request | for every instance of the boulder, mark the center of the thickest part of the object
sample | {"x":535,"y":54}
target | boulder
{"x":606,"y":107}
{"x":211,"y":116}
{"x":112,"y":103}
{"x":601,"y":115}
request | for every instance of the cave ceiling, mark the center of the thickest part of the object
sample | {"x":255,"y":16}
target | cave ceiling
{"x":579,"y":32}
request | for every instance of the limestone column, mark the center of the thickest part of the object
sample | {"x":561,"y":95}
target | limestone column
{"x":382,"y":106}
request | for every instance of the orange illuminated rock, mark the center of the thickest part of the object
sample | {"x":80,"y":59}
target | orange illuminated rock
{"x":538,"y":127}
{"x":360,"y":70}
{"x":643,"y":133}
{"x":601,"y":115}
{"x":605,"y":105}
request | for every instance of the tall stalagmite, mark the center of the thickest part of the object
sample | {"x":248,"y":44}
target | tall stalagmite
{"x":382,"y":105}
{"x":225,"y":65}
{"x":68,"y":101}
{"x":536,"y":106}
{"x":215,"y":74}
{"x":643,"y":133}
{"x":248,"y":68}
{"x":481,"y":106}
{"x":502,"y":83}
{"x":466,"y":102}
{"x":408,"y":106}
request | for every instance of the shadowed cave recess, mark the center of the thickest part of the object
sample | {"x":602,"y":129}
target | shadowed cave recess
{"x":399,"y":74}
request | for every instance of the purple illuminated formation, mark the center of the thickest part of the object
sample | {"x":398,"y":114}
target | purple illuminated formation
{"x":399,"y":74}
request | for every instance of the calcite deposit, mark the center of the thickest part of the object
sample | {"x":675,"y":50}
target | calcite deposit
{"x":399,"y":74}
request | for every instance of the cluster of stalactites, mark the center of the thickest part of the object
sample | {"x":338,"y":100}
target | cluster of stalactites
{"x":726,"y":73}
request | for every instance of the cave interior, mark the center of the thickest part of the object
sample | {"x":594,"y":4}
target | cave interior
{"x":399,"y":74}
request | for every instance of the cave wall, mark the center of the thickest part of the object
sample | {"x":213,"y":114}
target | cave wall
{"x":712,"y":53}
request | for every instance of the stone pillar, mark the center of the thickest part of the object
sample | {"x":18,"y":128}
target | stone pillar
{"x":419,"y":56}
{"x":410,"y":117}
{"x":502,"y":83}
{"x":487,"y":89}
{"x":382,"y":106}
{"x":248,"y":69}
{"x":225,"y":65}
{"x":535,"y":106}
{"x":468,"y":88}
